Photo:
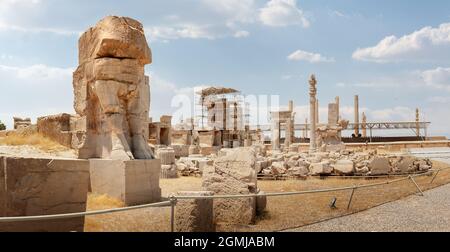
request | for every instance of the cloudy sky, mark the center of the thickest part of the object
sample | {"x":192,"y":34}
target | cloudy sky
{"x":394,"y":54}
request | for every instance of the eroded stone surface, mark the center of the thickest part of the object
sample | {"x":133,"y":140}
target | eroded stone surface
{"x":134,"y":182}
{"x":34,"y":186}
{"x":233,"y":174}
{"x":112,"y":94}
{"x":379,"y":166}
{"x":196,"y":215}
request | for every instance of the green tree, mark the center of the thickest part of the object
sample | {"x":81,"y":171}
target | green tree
{"x":2,"y":126}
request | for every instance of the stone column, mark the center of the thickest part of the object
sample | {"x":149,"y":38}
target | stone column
{"x":317,"y":111}
{"x":275,"y":131}
{"x":306,"y":128}
{"x":364,"y":125}
{"x":288,"y":134}
{"x":312,"y":113}
{"x":337,"y":101}
{"x":291,"y":106}
{"x":417,"y":122}
{"x":356,"y":116}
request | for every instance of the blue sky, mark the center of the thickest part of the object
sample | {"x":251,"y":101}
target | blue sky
{"x":394,"y":54}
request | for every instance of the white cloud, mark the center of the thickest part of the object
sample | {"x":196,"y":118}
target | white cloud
{"x":280,"y":13}
{"x":5,"y":27}
{"x":34,"y":91}
{"x":191,"y":31}
{"x":35,"y":73}
{"x":336,"y":13}
{"x":437,"y":78}
{"x":15,"y":16}
{"x":235,"y":11}
{"x":426,"y":43}
{"x":300,"y":55}
{"x":241,"y":34}
{"x":439,"y":99}
{"x":392,"y":114}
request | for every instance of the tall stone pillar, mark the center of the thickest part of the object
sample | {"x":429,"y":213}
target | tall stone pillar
{"x":291,"y":106}
{"x":417,"y":122}
{"x":364,"y":125}
{"x":317,"y":111}
{"x":288,"y":134}
{"x":312,"y":113}
{"x":290,"y":125}
{"x":337,"y":101}
{"x":356,"y":116}
{"x":275,"y":131}
{"x":306,"y":128}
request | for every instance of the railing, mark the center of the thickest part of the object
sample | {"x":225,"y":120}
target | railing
{"x":173,"y":199}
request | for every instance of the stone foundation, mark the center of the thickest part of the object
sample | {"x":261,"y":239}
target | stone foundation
{"x":30,"y":187}
{"x":134,"y":182}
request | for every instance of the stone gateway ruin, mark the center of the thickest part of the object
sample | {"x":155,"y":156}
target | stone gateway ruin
{"x":112,"y":93}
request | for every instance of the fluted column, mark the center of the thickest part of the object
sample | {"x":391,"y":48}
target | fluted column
{"x":312,"y":113}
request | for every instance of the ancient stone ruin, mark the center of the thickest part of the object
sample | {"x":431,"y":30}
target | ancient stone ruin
{"x":20,"y":123}
{"x":112,"y":93}
{"x":233,"y":173}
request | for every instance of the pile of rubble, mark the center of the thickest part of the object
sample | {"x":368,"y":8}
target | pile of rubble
{"x":366,"y":163}
{"x":298,"y":164}
{"x":193,"y":165}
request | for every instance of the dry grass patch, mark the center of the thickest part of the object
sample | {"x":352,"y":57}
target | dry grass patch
{"x":141,"y":220}
{"x":32,"y":139}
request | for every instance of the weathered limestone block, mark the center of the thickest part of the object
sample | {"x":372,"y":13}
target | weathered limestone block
{"x":134,"y":182}
{"x":169,"y":171}
{"x":278,"y":168}
{"x":42,"y":187}
{"x":322,"y":168}
{"x":180,"y":150}
{"x":194,"y":150}
{"x":406,"y":165}
{"x":2,"y":187}
{"x":261,"y":202}
{"x":57,"y":128}
{"x":196,"y":215}
{"x":115,"y":37}
{"x":379,"y":166}
{"x":166,"y":155}
{"x":20,"y":123}
{"x":233,"y":174}
{"x":344,"y":167}
{"x":112,"y":94}
{"x":301,"y":171}
{"x":206,"y":138}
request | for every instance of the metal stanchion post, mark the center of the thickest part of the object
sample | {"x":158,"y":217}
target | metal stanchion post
{"x":173,"y":203}
{"x":417,"y":186}
{"x":434,"y":177}
{"x":351,"y":197}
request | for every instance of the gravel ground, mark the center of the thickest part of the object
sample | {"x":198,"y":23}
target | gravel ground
{"x":430,"y":213}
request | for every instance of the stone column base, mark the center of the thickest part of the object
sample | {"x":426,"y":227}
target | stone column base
{"x":134,"y":182}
